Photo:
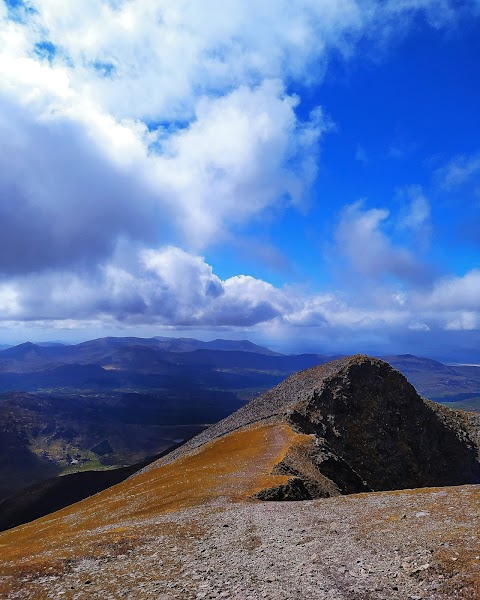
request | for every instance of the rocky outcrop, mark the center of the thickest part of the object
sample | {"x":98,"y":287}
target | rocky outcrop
{"x":357,"y":425}
{"x":373,"y":432}
{"x":367,"y":428}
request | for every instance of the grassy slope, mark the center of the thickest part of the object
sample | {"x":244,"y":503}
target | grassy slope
{"x":157,"y":505}
{"x":232,"y":467}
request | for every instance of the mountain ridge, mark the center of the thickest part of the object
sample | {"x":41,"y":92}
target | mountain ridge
{"x":300,"y":399}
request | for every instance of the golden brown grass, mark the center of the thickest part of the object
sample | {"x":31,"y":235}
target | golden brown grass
{"x":128,"y":516}
{"x":233,"y":467}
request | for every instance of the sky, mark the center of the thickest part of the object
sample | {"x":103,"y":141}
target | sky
{"x":302,"y":173}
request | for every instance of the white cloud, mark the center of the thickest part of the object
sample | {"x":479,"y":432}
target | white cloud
{"x":244,"y":152}
{"x":173,"y":288}
{"x":464,"y":321}
{"x":460,"y":170}
{"x":455,"y":293}
{"x":416,"y":212}
{"x":360,"y":238}
{"x":188,"y":101}
{"x":62,"y":202}
{"x":161,"y":57}
{"x":241,"y":150}
{"x":167,"y":286}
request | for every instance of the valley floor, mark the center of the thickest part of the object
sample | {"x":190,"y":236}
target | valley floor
{"x":410,"y":544}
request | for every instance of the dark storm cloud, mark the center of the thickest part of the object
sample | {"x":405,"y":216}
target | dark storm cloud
{"x":61,"y":201}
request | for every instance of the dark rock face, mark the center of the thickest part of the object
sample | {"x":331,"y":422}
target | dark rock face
{"x":374,"y":432}
{"x":295,"y":489}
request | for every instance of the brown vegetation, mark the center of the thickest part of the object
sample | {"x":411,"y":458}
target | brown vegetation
{"x":233,"y":467}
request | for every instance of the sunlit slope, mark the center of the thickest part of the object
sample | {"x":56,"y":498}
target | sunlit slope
{"x":233,"y":467}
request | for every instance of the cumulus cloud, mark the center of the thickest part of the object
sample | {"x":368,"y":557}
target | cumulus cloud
{"x":169,"y":287}
{"x":240,"y":147}
{"x":362,"y":241}
{"x":61,"y":201}
{"x":177,"y":53}
{"x":110,"y":105}
{"x":151,"y":60}
{"x":244,"y":151}
{"x":147,"y":123}
{"x":464,"y":321}
{"x":455,"y":293}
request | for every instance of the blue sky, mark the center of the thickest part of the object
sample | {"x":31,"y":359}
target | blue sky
{"x":399,"y":117}
{"x":305,"y":174}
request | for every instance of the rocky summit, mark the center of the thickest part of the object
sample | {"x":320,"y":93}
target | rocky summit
{"x":196,"y":523}
{"x":362,"y":427}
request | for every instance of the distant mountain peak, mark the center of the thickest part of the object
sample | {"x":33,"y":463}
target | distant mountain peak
{"x":22,"y":351}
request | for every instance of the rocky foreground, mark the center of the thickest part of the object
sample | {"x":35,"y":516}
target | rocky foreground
{"x":193,"y":524}
{"x":390,"y":545}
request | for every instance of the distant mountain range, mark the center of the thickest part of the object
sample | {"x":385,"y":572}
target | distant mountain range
{"x":144,"y":363}
{"x":440,"y":382}
{"x":46,"y":353}
{"x":133,"y":397}
{"x":137,"y":363}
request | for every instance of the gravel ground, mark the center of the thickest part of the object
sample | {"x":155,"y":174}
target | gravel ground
{"x":398,"y":545}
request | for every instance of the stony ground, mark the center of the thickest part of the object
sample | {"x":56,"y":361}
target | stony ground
{"x":392,"y":545}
